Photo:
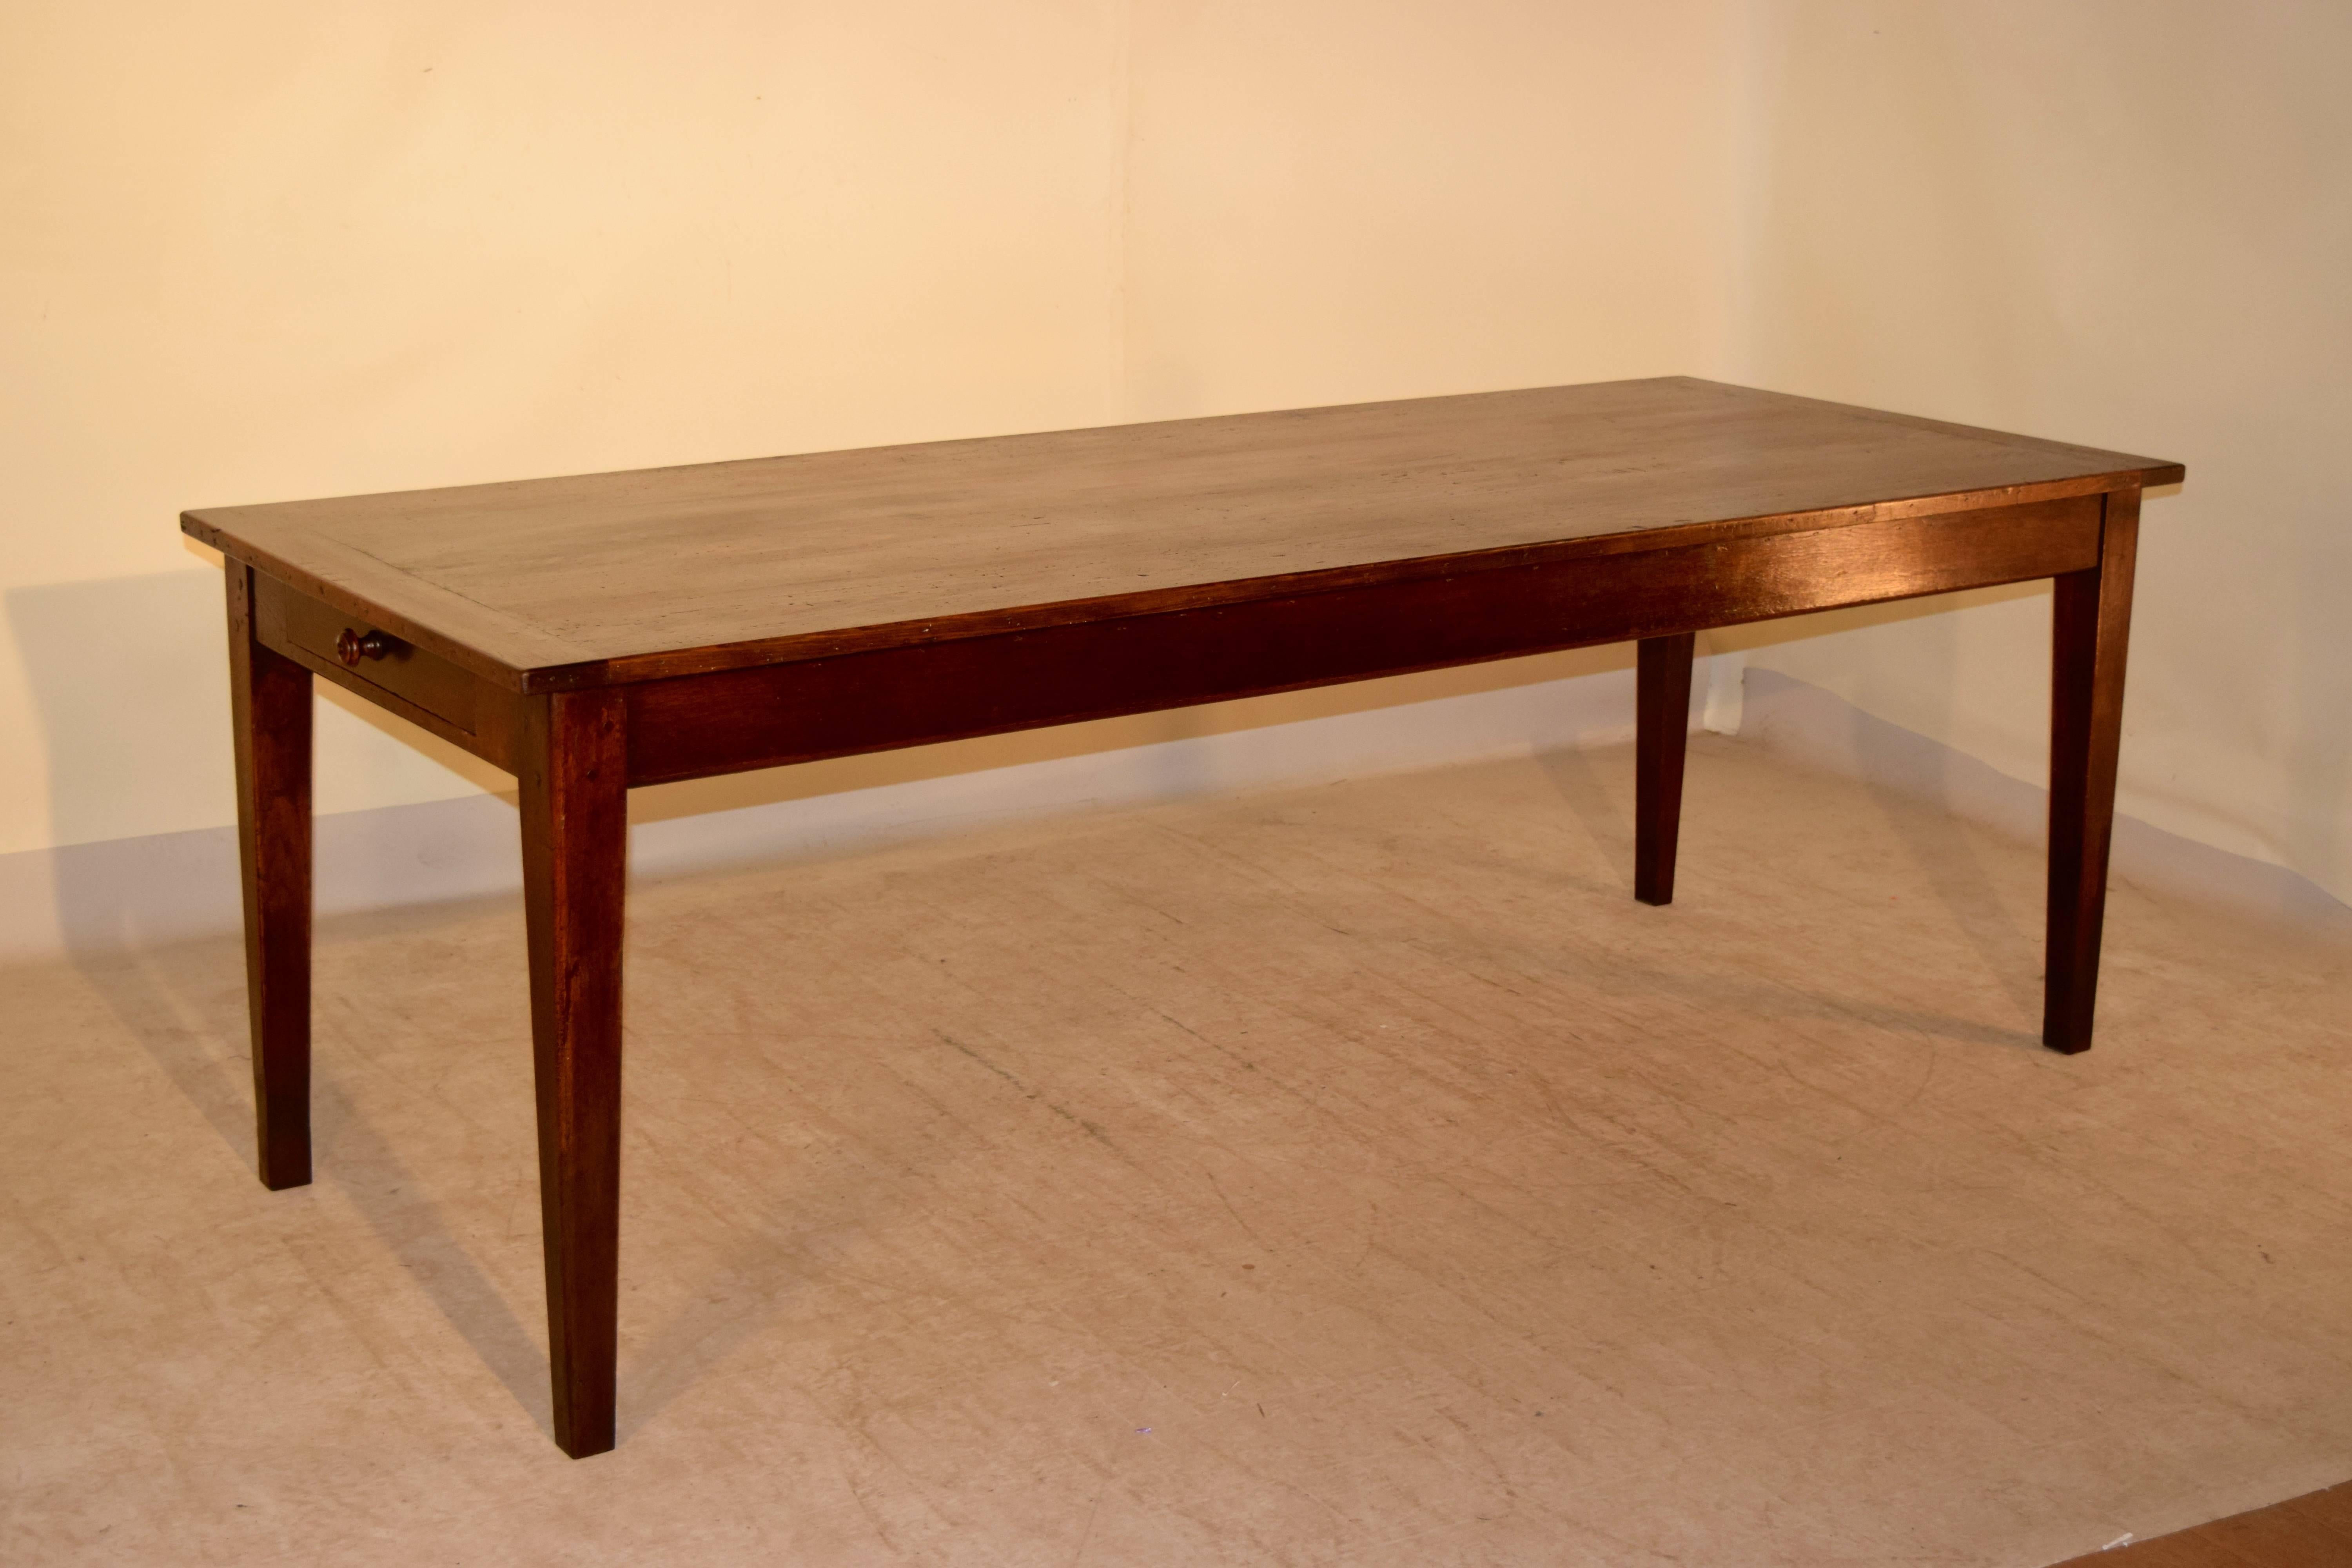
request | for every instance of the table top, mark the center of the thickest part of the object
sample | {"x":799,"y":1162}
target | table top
{"x":604,"y":578}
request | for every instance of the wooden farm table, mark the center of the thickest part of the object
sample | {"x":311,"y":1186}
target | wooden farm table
{"x":591,"y":634}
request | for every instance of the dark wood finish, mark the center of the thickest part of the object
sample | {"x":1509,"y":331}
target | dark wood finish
{"x":422,"y":688}
{"x":1662,"y":738}
{"x":575,"y":820}
{"x":353,"y":646}
{"x":2310,"y":1531}
{"x":269,"y":714}
{"x":2091,"y":627}
{"x":734,"y":720}
{"x":612,"y":578}
{"x":590,"y":634}
{"x":2331,"y":1508}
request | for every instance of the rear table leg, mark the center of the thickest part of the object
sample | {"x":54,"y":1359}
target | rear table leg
{"x":1662,"y":735}
{"x":2091,"y":627}
{"x":270,"y":713}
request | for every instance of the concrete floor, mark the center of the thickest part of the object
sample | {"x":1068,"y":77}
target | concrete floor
{"x":1355,"y":1175}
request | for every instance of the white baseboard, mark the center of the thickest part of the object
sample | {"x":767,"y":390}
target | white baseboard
{"x":1808,"y":725}
{"x":137,"y":892}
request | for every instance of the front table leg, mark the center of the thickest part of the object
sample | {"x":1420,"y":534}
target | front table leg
{"x":2091,"y":625}
{"x":574,"y":772}
{"x":1661,"y":683}
{"x":269,"y":711}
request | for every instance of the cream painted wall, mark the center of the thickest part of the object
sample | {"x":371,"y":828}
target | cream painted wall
{"x":2126,"y":223}
{"x":273,"y":250}
{"x":269,"y":250}
{"x":1329,"y":201}
{"x":265,"y":250}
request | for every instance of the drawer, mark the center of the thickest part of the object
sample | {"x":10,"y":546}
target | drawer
{"x":371,"y":662}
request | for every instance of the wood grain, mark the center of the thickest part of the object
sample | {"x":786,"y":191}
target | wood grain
{"x":574,"y":809}
{"x":2091,"y":626}
{"x":595,"y":633}
{"x":460,"y":707}
{"x":552,"y":584}
{"x":1662,"y":740}
{"x":724,"y":723}
{"x":2310,"y":1531}
{"x":269,"y":716}
{"x":415,"y":676}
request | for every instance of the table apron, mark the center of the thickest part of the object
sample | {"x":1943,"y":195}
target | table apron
{"x":729,"y":720}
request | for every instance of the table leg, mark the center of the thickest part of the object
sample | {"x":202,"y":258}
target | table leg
{"x":2092,"y":624}
{"x":1662,"y":734}
{"x":270,"y":713}
{"x":575,"y":817}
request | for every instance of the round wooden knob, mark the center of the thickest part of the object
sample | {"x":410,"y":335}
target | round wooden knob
{"x":354,"y":647}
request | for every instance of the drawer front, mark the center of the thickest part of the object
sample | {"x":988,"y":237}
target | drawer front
{"x":369,"y":661}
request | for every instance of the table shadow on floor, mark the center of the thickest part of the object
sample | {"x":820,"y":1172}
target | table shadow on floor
{"x":192,"y":1023}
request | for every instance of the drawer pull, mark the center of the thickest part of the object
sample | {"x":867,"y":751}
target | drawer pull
{"x":352,"y":647}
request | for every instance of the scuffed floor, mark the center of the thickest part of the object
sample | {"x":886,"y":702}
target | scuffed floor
{"x":1349,"y":1176}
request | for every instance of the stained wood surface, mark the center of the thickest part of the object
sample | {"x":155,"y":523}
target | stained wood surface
{"x":1662,"y":739}
{"x":2090,"y":632}
{"x":575,"y":822}
{"x":270,"y":722}
{"x":549,"y":583}
{"x":730,"y":719}
{"x":2310,"y":1531}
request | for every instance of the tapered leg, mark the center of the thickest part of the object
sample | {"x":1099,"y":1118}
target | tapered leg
{"x":1661,"y":735}
{"x":2091,"y":625}
{"x":575,"y":796}
{"x":269,"y":709}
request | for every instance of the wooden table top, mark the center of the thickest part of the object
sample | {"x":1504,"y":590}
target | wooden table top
{"x":605,"y":578}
